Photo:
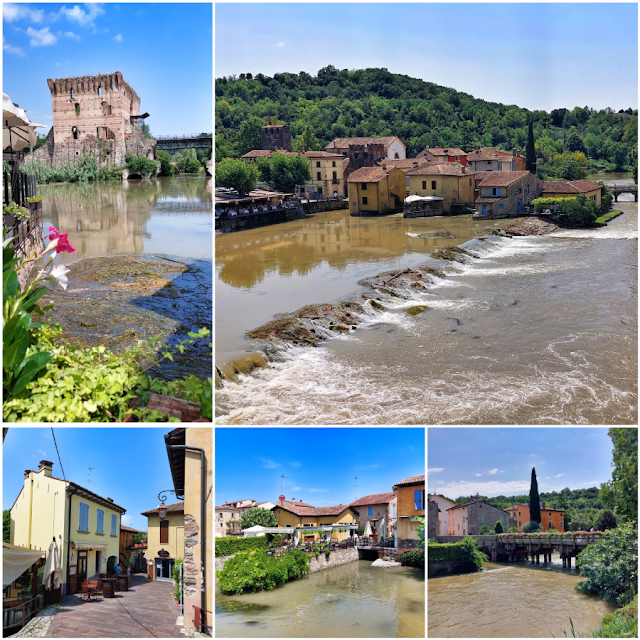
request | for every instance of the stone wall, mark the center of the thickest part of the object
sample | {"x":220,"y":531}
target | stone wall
{"x":276,"y":137}
{"x":379,"y":511}
{"x":342,"y":556}
{"x":219,"y":564}
{"x":481,"y":513}
{"x":407,"y":543}
{"x":237,"y":223}
{"x":432,"y":519}
{"x":191,"y":569}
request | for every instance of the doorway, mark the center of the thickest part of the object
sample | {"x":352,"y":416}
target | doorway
{"x":83,"y":559}
{"x":164,"y":568}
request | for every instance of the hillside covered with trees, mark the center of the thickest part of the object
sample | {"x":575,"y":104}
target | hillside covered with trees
{"x":374,"y":102}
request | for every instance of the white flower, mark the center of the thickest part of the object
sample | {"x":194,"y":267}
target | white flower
{"x":57,"y":275}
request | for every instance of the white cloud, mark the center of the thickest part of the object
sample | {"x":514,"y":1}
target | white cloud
{"x":11,"y":12}
{"x":560,"y":475}
{"x":318,"y":490}
{"x":47,"y":435}
{"x":478,"y":475}
{"x":492,"y":472}
{"x":436,"y":470}
{"x":370,"y":466}
{"x":269,"y":464}
{"x":296,"y":488}
{"x":82,"y":17}
{"x":41,"y":37}
{"x":126,"y":520}
{"x":440,"y":482}
{"x":42,"y":453}
{"x":16,"y":51}
{"x":118,"y":38}
{"x":281,"y":44}
{"x":490,"y":488}
{"x":70,"y":34}
{"x":295,"y":464}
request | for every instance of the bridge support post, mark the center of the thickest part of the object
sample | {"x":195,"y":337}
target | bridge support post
{"x":635,"y":195}
{"x":564,"y":562}
{"x":569,"y":562}
{"x":615,"y":197}
{"x":537,"y":558}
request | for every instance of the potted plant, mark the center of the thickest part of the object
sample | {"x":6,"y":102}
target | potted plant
{"x":34,"y":204}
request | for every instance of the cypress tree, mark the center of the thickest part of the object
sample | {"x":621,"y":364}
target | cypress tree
{"x":534,"y":499}
{"x":530,"y":163}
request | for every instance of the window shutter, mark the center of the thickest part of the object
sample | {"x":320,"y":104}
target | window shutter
{"x":100,"y":521}
{"x":84,"y":517}
{"x":418,"y":500}
{"x":114,"y":524}
{"x":164,"y":532}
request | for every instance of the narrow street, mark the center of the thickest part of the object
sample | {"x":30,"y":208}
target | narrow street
{"x":147,"y":610}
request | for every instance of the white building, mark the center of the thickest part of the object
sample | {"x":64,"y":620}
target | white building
{"x":443,"y":514}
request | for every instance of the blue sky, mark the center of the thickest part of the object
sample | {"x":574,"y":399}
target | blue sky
{"x":538,"y":56}
{"x":164,"y":52}
{"x":319,"y":464}
{"x":494,"y":461}
{"x":132,"y":464}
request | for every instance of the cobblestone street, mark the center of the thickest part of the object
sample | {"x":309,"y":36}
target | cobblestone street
{"x":147,"y":610}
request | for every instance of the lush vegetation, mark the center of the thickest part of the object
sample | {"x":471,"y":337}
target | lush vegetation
{"x":258,"y":516}
{"x":85,"y":169}
{"x":610,"y":566}
{"x":412,"y":558}
{"x":237,"y":175}
{"x":140,"y":166}
{"x":175,"y":574}
{"x":607,"y":216}
{"x":466,"y":551}
{"x":531,"y":527}
{"x":256,"y":571}
{"x":534,"y":499}
{"x":229,"y":546}
{"x":622,"y":623}
{"x":621,"y":492}
{"x":499,"y":528}
{"x":374,"y":102}
{"x":6,"y":525}
{"x":284,"y":172}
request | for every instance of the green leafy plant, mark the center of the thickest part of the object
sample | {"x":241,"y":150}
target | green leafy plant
{"x":499,"y":528}
{"x":175,"y":573}
{"x":531,"y":527}
{"x":412,"y":558}
{"x":35,"y":198}
{"x":420,"y":530}
{"x":258,"y":516}
{"x":230,"y":546}
{"x":466,"y":551}
{"x":485,"y":530}
{"x":15,"y":209}
{"x":140,"y":166}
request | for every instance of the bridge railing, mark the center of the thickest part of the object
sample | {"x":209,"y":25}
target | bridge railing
{"x":184,"y":136}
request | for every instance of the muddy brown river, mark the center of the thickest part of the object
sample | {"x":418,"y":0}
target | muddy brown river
{"x":512,"y":601}
{"x":537,"y":330}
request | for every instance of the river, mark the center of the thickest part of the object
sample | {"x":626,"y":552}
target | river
{"x":539,"y":330}
{"x":353,"y":600}
{"x":512,"y":601}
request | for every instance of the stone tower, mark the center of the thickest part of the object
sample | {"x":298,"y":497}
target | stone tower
{"x":276,"y":136}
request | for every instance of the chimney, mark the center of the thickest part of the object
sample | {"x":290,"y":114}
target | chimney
{"x":299,"y":500}
{"x":45,"y":466}
{"x":293,"y":499}
{"x":554,"y":506}
{"x":384,"y":166}
{"x":463,"y":169}
{"x":515,"y":152}
{"x":543,"y":504}
{"x":109,"y":499}
{"x":27,"y":472}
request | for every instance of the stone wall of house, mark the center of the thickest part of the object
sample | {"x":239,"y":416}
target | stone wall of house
{"x":342,"y":556}
{"x":379,"y":511}
{"x":191,"y":570}
{"x":481,"y":513}
{"x":407,"y":543}
{"x":432,"y":519}
{"x":219,"y":564}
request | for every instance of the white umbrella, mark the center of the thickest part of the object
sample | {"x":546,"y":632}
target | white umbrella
{"x":18,"y":131}
{"x":52,"y":573}
{"x":367,"y":529}
{"x":296,"y":538}
{"x":328,"y":536}
{"x":383,"y":529}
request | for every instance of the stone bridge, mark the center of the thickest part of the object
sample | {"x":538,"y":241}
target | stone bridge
{"x":617,"y":189}
{"x":184,"y":141}
{"x":519,"y":548}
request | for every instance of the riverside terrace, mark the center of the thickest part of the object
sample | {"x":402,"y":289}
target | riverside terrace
{"x":515,"y":547}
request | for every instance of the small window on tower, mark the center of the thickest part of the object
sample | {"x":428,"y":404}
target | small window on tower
{"x":99,"y":91}
{"x":72,"y":94}
{"x":74,"y":131}
{"x":77,"y":109}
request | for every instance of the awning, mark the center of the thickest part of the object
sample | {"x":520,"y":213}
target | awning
{"x":415,"y":198}
{"x":82,"y":545}
{"x":15,"y":561}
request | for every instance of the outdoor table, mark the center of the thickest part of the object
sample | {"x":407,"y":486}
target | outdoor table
{"x":113,"y":580}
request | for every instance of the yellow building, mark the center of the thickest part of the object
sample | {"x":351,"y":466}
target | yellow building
{"x":410,"y":493}
{"x":290,"y":513}
{"x":190,"y":453}
{"x":376,"y":190}
{"x":165,"y":540}
{"x":327,"y":175}
{"x":86,"y":526}
{"x":450,"y":180}
{"x":571,"y":188}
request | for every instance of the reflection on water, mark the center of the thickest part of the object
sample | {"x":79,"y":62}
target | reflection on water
{"x":512,"y":601}
{"x":172,"y":216}
{"x":349,"y":601}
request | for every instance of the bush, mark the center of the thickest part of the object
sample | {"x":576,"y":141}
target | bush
{"x":412,"y":559}
{"x":610,"y":566}
{"x":531,"y":527}
{"x":258,"y":516}
{"x":141,"y":166}
{"x":485,"y":530}
{"x":540,"y":204}
{"x":229,"y":546}
{"x":465,"y":551}
{"x":166,"y":168}
{"x":176,"y":579}
{"x":85,"y":169}
{"x":499,"y":527}
{"x":576,"y":212}
{"x":607,"y":520}
{"x":256,"y":571}
{"x":622,"y":623}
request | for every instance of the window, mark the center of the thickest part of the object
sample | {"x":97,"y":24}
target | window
{"x":561,"y":524}
{"x":320,"y":191}
{"x":520,"y":523}
{"x":335,"y":175}
{"x":319,"y":174}
{"x":408,"y":181}
{"x":424,"y":184}
{"x":433,"y":184}
{"x":74,"y":131}
{"x":83,"y":520}
{"x":164,"y":532}
{"x":100,"y":91}
{"x":393,"y":507}
{"x":418,"y":498}
{"x":77,"y":109}
{"x":72,"y":94}
{"x":494,"y":191}
{"x":317,"y":164}
{"x":287,"y":525}
{"x":481,"y":518}
{"x":396,"y":157}
{"x":500,"y":206}
{"x":458,"y":527}
{"x":519,"y":513}
{"x":364,"y":186}
{"x":489,"y":162}
{"x":369,"y":511}
{"x":549,"y":527}
{"x":469,"y":181}
{"x":365,"y":200}
{"x":98,"y":562}
{"x":100,"y":521}
{"x":333,"y":164}
{"x":114,"y":524}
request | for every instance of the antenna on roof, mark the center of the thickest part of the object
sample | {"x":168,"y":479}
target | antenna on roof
{"x":355,"y":486}
{"x":89,"y":477}
{"x":281,"y":482}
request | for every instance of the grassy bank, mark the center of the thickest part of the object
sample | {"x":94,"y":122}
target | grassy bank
{"x":608,"y":216}
{"x":622,"y":623}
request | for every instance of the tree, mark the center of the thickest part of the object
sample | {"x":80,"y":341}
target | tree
{"x":534,"y":499}
{"x":166,"y":168}
{"x":606,"y":197}
{"x":223,"y":148}
{"x":607,"y":520}
{"x":307,"y":141}
{"x":258,"y":516}
{"x":576,"y":212}
{"x":485,"y":530}
{"x":249,"y":135}
{"x":6,"y":526}
{"x":531,"y":163}
{"x":531,"y":527}
{"x":140,"y":537}
{"x":499,"y":528}
{"x":237,"y":175}
{"x":289,"y":171}
{"x":621,"y":492}
{"x":574,"y":143}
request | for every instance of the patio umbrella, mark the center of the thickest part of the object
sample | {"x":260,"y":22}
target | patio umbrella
{"x":52,"y":574}
{"x":383,"y":529}
{"x":296,"y":538}
{"x":18,"y":131}
{"x":328,"y":536}
{"x":367,"y":529}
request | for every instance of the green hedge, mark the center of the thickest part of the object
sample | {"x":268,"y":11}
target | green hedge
{"x":464,"y":551}
{"x":546,"y":203}
{"x":229,"y":546}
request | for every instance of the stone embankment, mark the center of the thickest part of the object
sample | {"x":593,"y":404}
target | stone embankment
{"x":239,"y":223}
{"x":336,"y":558}
{"x":528,"y":227}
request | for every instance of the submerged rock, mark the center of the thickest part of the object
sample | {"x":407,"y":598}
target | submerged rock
{"x":288,"y":329}
{"x":414,"y":311}
{"x":236,"y":605}
{"x":451,"y":253}
{"x":377,"y":306}
{"x":385,"y":563}
{"x":529,"y":227}
{"x":432,"y":271}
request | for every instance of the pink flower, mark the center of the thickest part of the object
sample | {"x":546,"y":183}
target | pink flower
{"x":63,"y":243}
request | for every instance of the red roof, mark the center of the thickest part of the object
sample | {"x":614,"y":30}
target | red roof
{"x":440,"y":169}
{"x":176,"y":507}
{"x":303,"y":509}
{"x":567,"y":186}
{"x":368,"y":174}
{"x":411,"y":480}
{"x":500,"y":178}
{"x":129,"y":529}
{"x":375,"y":498}
{"x":343,"y":143}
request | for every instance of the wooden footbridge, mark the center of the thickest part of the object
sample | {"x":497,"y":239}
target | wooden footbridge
{"x":624,"y":188}
{"x":519,"y":547}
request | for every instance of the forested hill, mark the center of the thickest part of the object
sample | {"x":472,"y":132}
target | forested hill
{"x":374,"y":102}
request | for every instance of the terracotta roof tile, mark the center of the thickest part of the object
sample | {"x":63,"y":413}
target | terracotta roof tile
{"x":375,"y":498}
{"x":440,"y":169}
{"x":411,"y":480}
{"x":441,"y":151}
{"x":257,"y":153}
{"x":568,"y":186}
{"x":343,"y":143}
{"x":129,"y":529}
{"x":176,"y":507}
{"x":409,"y":163}
{"x":303,"y":509}
{"x":322,"y":154}
{"x":500,"y":178}
{"x":367,"y":174}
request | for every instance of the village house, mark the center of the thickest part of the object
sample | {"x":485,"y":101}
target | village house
{"x":433,"y":523}
{"x":571,"y":188}
{"x":453,"y":182}
{"x":552,"y":518}
{"x":443,"y":513}
{"x":374,"y":190}
{"x":290,"y":513}
{"x":491,"y":159}
{"x":190,"y":454}
{"x":438,"y":154}
{"x":468,"y":518}
{"x":165,"y":540}
{"x":411,"y":505}
{"x":85,"y":526}
{"x":503,"y":193}
{"x":227,"y":521}
{"x":129,"y":555}
{"x":365,"y":151}
{"x":376,"y":507}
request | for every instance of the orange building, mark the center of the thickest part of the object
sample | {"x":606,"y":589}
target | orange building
{"x":552,"y":518}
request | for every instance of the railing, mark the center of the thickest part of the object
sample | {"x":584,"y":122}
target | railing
{"x":20,"y":615}
{"x":24,"y":232}
{"x":18,"y":188}
{"x":249,"y":211}
{"x":184,"y":136}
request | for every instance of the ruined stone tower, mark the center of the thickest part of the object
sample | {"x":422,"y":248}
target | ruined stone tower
{"x":276,"y":136}
{"x":97,"y":115}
